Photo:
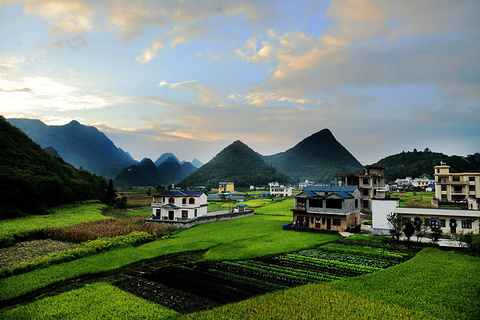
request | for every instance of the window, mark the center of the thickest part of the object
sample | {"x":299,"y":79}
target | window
{"x":334,"y":203}
{"x":442,"y":223}
{"x":171,"y":200}
{"x":456,"y":178}
{"x":365,"y":192}
{"x":184,"y":214}
{"x":336,"y":222}
{"x":184,"y":200}
{"x":195,"y":213}
{"x":466,"y":224}
{"x":356,"y":203}
{"x":316,"y":203}
{"x":471,"y":188}
{"x":444,"y":187}
{"x":365,"y":180}
{"x":365,"y":204}
{"x":191,"y":201}
{"x":471,"y":178}
{"x":301,"y":202}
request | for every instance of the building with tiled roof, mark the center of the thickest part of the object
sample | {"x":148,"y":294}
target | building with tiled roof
{"x":327,"y":208}
{"x":179,"y":205}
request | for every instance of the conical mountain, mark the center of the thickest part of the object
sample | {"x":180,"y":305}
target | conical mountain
{"x":237,"y":163}
{"x":173,"y":171}
{"x":165,"y":157}
{"x":143,"y":174}
{"x":318,"y":157}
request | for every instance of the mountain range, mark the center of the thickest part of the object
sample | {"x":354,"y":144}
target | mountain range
{"x":32,"y":180}
{"x":81,"y":146}
{"x":146,"y":173}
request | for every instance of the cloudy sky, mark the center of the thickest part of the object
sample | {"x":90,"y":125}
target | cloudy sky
{"x":191,"y":77}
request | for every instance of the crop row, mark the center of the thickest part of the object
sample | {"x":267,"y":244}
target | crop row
{"x":337,"y":268}
{"x":348,"y":258}
{"x":364,"y":251}
{"x":106,"y":228}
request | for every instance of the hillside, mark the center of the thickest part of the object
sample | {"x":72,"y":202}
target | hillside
{"x":164,"y":157}
{"x":143,"y":174}
{"x":33,"y":180}
{"x":79,"y":145}
{"x":173,"y":171}
{"x":237,"y":163}
{"x":318,"y":157}
{"x":420,"y":163}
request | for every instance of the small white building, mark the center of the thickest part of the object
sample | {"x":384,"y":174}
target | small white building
{"x":448,"y":220}
{"x":280,"y":191}
{"x":179,"y":205}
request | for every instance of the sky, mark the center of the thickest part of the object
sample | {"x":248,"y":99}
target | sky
{"x":191,"y":77}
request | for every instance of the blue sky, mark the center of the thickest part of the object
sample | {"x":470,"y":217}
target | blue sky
{"x":191,"y":77}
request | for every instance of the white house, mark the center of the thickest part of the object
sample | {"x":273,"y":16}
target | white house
{"x":448,"y":220}
{"x":280,"y":191}
{"x":179,"y":205}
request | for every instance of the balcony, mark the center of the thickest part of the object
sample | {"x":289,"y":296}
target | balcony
{"x":452,"y":183}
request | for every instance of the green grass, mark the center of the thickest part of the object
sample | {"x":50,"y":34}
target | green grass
{"x":281,"y":208}
{"x":314,"y":301}
{"x":62,"y":216}
{"x":97,"y":301}
{"x":236,"y":239}
{"x":415,"y":199}
{"x":443,"y":284}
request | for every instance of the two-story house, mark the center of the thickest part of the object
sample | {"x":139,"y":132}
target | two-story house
{"x":226,"y":187}
{"x":460,"y":188}
{"x":327,"y":207}
{"x":179,"y":205}
{"x":369,"y":183}
{"x":280,"y":191}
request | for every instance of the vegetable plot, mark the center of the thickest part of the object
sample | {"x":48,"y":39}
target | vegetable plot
{"x":229,"y":281}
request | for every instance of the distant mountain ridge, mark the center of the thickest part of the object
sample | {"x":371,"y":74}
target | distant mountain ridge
{"x":80,"y":145}
{"x":417,"y":164}
{"x":34,"y":180}
{"x":318,"y":157}
{"x":146,"y":173}
{"x":237,"y":163}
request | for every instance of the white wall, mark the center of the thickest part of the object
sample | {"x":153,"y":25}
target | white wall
{"x":380,"y":209}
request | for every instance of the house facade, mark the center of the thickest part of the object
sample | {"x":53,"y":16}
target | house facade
{"x":327,"y":207}
{"x":226,"y":187}
{"x":448,"y":220}
{"x":179,"y":205}
{"x":371,"y":182}
{"x":457,"y":188}
{"x":280,"y":191}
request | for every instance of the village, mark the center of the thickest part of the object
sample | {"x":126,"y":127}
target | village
{"x":342,"y":206}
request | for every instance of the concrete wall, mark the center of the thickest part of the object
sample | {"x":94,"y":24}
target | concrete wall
{"x":185,"y":224}
{"x":380,"y":209}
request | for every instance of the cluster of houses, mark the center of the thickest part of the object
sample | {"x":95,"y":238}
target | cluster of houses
{"x":341,"y":206}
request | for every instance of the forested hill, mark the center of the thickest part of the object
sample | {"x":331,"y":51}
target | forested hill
{"x":237,"y":163}
{"x":33,"y":180}
{"x":318,"y":157}
{"x":80,"y":145}
{"x":417,"y":164}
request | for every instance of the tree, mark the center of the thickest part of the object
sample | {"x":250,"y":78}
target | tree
{"x":111,"y":195}
{"x":409,"y":230}
{"x":397,"y":222}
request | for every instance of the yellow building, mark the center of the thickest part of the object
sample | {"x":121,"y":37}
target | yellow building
{"x":460,"y":188}
{"x":226,"y":187}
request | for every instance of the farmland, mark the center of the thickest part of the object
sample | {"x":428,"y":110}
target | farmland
{"x":264,"y":262}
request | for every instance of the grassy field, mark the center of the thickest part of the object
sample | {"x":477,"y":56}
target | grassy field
{"x":90,"y":303}
{"x":245,"y":238}
{"x":415,"y":199}
{"x":62,"y":216}
{"x":434,"y":284}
